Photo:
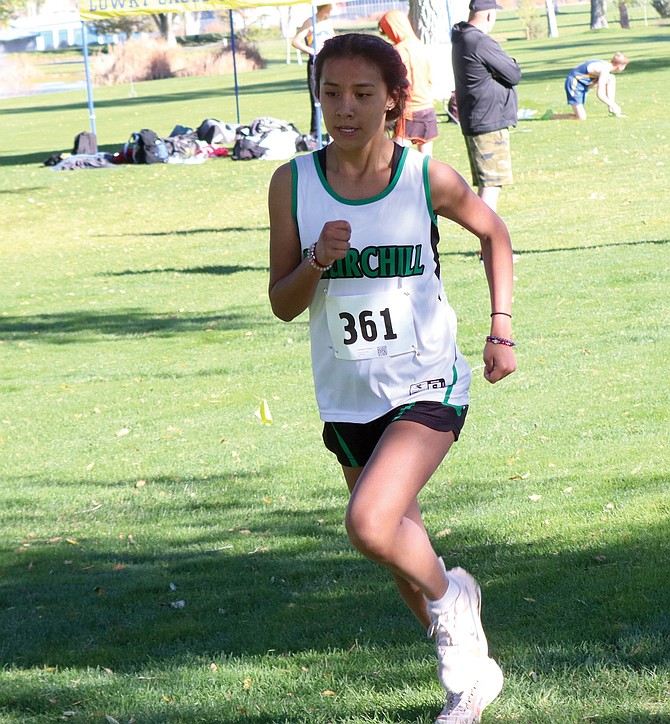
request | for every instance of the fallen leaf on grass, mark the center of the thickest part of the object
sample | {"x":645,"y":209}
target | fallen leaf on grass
{"x":246,"y":684}
{"x":327,"y":692}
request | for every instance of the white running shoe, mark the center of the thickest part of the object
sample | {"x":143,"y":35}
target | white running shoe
{"x":467,"y":707}
{"x":459,"y":636}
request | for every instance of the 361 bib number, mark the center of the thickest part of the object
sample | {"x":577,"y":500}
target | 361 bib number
{"x":371,"y":325}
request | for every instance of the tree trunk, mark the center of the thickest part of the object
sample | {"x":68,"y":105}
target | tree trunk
{"x":166,"y":28}
{"x":430,"y":21}
{"x":552,"y":27}
{"x":624,"y":20}
{"x":599,"y":14}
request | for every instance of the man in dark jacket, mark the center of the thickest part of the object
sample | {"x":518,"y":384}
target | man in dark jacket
{"x":486,"y":99}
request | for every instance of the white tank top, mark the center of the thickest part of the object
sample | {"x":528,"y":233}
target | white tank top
{"x":382,"y":332}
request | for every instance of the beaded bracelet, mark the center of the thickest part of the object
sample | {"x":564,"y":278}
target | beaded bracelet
{"x":501,"y":340}
{"x":311,"y":258}
{"x":504,"y":314}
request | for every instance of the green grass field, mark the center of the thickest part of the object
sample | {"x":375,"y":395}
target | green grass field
{"x":167,"y":558}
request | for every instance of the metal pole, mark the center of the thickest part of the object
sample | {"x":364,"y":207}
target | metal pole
{"x":317,"y":105}
{"x":232,"y":45}
{"x":87,"y":70}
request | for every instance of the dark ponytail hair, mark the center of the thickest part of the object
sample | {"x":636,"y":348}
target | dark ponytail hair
{"x":377,"y":52}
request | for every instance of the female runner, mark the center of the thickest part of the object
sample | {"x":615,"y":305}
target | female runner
{"x":353,"y":238}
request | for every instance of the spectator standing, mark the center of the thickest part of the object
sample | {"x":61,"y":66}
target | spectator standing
{"x":310,"y":39}
{"x":419,"y":123}
{"x":485,"y":78}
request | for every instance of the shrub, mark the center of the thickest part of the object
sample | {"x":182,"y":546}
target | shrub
{"x":18,"y":70}
{"x":138,"y":60}
{"x":134,"y":60}
{"x":533,"y":22}
{"x":220,"y":61}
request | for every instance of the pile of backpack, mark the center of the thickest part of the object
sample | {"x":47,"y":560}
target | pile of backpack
{"x":183,"y":143}
{"x":266,"y":137}
{"x":270,"y":139}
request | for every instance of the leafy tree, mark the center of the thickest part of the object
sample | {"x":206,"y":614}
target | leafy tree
{"x":129,"y":24}
{"x":125,"y":25}
{"x":9,"y":9}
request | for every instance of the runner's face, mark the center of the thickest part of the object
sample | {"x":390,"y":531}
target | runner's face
{"x":354,"y":100}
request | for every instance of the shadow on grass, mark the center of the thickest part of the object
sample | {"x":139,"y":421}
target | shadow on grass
{"x":218,"y":270}
{"x":471,"y":254}
{"x":260,"y":585}
{"x":82,"y":326}
{"x":248,"y":87}
{"x":38,"y":159}
{"x":593,"y":247}
{"x":286,"y":581}
{"x":189,"y":232}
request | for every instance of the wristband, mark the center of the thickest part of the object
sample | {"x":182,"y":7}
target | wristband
{"x":501,"y":340}
{"x":504,"y":314}
{"x":311,"y":258}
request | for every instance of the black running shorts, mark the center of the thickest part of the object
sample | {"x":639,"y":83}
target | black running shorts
{"x":353,"y":443}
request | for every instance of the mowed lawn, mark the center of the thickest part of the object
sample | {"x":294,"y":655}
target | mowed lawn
{"x":167,"y":557}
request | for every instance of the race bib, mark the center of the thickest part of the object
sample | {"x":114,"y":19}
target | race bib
{"x":371,"y":325}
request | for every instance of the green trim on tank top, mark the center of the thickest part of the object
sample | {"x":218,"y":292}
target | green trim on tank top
{"x":360,"y":202}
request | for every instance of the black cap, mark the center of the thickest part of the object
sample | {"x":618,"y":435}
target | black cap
{"x":479,"y":5}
